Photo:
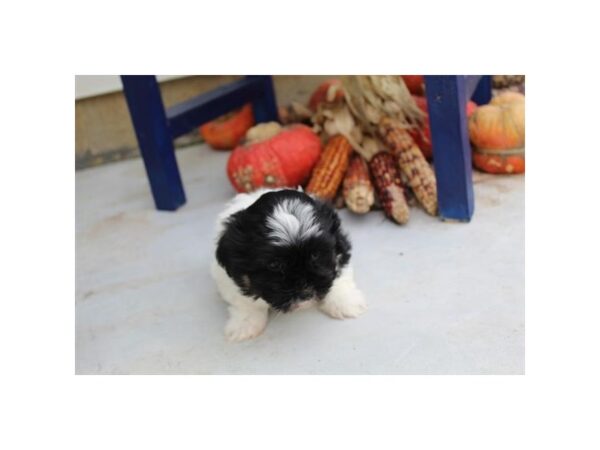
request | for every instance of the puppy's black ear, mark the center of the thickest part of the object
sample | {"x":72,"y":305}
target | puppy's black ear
{"x":342,"y":247}
{"x":331,"y":219}
{"x":230,"y":252}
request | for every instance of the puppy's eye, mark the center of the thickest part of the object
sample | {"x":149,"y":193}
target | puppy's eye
{"x":276,"y":266}
{"x":314,"y":257}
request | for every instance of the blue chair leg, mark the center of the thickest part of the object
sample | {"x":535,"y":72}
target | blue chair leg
{"x":265,"y":106}
{"x":483,"y":92}
{"x":446,"y":99}
{"x":154,"y":138}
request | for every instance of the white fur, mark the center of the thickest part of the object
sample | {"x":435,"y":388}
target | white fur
{"x":292,"y":221}
{"x":344,"y":300}
{"x":239,"y":202}
{"x":247,"y":316}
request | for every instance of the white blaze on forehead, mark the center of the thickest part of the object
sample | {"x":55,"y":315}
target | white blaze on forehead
{"x":292,"y":221}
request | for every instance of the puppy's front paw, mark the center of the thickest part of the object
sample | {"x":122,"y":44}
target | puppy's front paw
{"x":346,"y":306}
{"x":241,"y":328}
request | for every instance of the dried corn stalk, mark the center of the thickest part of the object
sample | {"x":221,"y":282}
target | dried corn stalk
{"x":330,"y":169}
{"x":413,"y":164}
{"x":366,"y":100}
{"x":333,"y":118}
{"x":372,"y":97}
{"x":358,"y":189}
{"x":295,"y":113}
{"x":388,"y":184}
{"x":370,"y":146}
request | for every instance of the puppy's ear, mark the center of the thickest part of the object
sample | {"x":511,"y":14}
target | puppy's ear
{"x":342,"y":244}
{"x":230,"y":247}
{"x":331,"y":220}
{"x":342,"y":247}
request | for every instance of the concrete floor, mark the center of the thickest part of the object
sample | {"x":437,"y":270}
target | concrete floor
{"x":444,"y":298}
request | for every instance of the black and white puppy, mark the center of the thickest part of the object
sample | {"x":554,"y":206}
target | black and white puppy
{"x":284,"y":250}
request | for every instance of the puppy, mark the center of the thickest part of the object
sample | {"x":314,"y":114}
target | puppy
{"x":282,"y":250}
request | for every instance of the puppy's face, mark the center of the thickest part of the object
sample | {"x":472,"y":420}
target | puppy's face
{"x":286,"y":248}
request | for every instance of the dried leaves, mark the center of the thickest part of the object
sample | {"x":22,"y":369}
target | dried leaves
{"x":372,"y":97}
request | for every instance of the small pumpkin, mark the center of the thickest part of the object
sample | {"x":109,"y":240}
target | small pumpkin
{"x":415,"y":83}
{"x":225,"y":132}
{"x":273,"y":156}
{"x":329,"y":91}
{"x":508,"y":97}
{"x":498,"y":126}
{"x":497,"y":132}
{"x":422,"y":136}
{"x":500,"y":161}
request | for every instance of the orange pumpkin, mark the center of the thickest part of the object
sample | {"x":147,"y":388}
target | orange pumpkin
{"x":497,"y":132}
{"x":225,"y":132}
{"x":508,"y":97}
{"x":285,"y":157}
{"x":320,"y":94}
{"x":500,"y":161}
{"x":422,"y":136}
{"x":415,"y":83}
{"x":498,"y":126}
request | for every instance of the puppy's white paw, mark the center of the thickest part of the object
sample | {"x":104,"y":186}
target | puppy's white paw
{"x":347,"y":305}
{"x":241,"y":328}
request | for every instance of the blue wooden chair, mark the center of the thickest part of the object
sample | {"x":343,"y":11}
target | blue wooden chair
{"x":447,"y":97}
{"x":156,"y":128}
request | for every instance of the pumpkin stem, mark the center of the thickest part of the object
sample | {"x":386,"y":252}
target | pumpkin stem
{"x":262,"y":132}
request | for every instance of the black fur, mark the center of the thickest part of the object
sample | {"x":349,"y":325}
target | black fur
{"x":282,"y":275}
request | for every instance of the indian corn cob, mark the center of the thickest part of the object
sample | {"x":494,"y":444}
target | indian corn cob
{"x":358,"y":189}
{"x":329,"y":171}
{"x":388,"y":184}
{"x":413,"y":164}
